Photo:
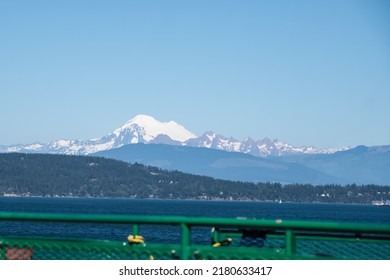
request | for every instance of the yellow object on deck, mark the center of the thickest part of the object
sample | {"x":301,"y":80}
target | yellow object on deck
{"x":135,"y":239}
{"x":225,"y":242}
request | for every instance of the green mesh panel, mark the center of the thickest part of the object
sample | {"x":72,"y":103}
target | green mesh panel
{"x":249,"y":239}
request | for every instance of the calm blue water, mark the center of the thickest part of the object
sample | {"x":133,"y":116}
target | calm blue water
{"x":259,"y":210}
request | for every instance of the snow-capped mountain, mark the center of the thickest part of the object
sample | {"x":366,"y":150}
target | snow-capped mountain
{"x":261,"y":148}
{"x":147,"y":130}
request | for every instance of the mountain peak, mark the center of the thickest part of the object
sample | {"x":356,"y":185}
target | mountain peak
{"x":142,"y":119}
{"x":150,"y":128}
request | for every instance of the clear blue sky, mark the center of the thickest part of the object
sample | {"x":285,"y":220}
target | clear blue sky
{"x":305,"y":72}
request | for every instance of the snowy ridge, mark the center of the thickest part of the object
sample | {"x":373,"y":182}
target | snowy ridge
{"x":145,"y":129}
{"x":261,"y":148}
{"x":150,"y":128}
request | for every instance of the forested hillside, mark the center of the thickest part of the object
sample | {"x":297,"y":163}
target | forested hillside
{"x":85,"y":176}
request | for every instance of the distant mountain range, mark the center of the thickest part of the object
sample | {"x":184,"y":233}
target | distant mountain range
{"x":171,"y":146}
{"x":361,"y":165}
{"x":147,"y":130}
{"x":218,"y":164}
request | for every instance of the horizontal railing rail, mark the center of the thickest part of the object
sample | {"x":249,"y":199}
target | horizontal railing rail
{"x":200,"y":221}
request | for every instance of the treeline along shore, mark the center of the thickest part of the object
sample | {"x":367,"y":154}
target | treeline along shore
{"x":51,"y":175}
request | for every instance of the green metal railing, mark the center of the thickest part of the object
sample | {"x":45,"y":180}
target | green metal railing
{"x":239,"y":238}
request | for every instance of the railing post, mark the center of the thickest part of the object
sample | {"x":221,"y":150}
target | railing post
{"x":215,"y":236}
{"x":135,"y":229}
{"x":2,"y":252}
{"x":290,"y":242}
{"x":185,"y":241}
